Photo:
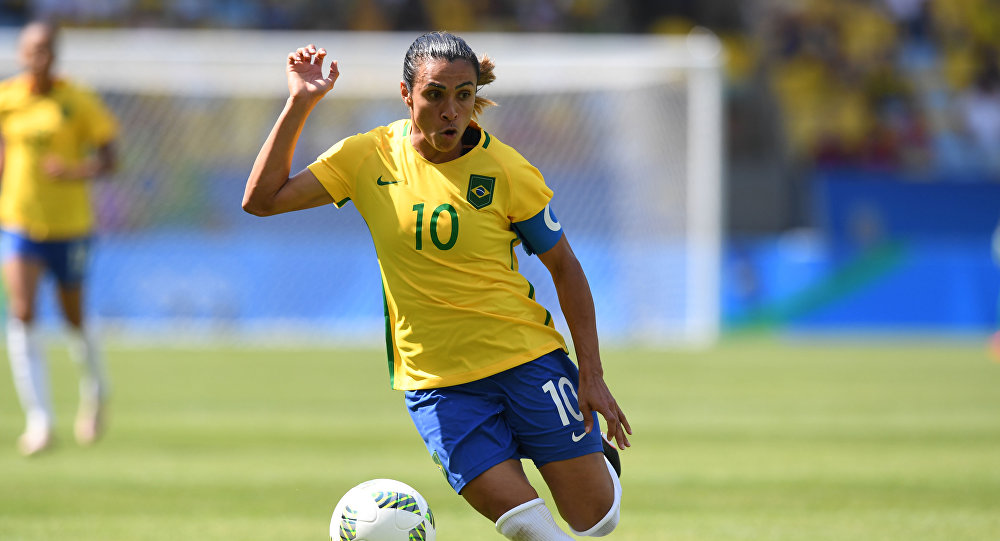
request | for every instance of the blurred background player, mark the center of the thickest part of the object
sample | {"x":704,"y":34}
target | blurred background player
{"x":56,"y":138}
{"x":486,"y":374}
{"x":994,"y":344}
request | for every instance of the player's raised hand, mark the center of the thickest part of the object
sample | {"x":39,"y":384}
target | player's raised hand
{"x":305,"y":73}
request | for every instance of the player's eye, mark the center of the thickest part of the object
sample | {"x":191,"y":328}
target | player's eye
{"x":464,"y":95}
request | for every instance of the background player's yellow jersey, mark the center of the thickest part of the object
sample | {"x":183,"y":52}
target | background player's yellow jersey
{"x":66,"y":124}
{"x":457,"y":309}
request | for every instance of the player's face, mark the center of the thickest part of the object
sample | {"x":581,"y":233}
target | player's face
{"x":37,"y":49}
{"x":441,"y":105}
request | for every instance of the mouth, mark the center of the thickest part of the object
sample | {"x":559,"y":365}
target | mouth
{"x":450,"y":132}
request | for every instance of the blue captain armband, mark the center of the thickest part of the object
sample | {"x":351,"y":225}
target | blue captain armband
{"x":539,"y":233}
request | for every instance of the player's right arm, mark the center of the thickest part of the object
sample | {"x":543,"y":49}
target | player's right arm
{"x":270,"y":190}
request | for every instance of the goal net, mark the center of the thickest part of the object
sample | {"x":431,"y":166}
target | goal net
{"x":625,"y":129}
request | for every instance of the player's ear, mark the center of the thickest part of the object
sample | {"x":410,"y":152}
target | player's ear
{"x":407,"y":99}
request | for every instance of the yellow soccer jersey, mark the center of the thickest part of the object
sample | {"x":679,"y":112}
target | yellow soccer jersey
{"x":457,"y":309}
{"x":66,"y":124}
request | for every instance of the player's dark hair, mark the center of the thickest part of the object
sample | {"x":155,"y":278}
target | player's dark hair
{"x":447,"y":46}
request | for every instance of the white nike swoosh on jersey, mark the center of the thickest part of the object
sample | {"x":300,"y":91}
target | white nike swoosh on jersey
{"x":551,"y":224}
{"x":577,"y":438}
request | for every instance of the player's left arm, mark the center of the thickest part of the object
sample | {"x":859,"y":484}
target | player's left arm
{"x":106,"y":160}
{"x":101,"y":163}
{"x":578,"y":307}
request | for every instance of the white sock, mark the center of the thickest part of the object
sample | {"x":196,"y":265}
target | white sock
{"x":530,"y":521}
{"x":27,"y":363}
{"x":85,"y":353}
{"x":607,"y":524}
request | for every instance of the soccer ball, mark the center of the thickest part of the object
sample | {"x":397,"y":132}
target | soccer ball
{"x":382,"y":510}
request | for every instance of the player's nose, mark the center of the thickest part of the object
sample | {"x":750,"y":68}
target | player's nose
{"x":450,"y":111}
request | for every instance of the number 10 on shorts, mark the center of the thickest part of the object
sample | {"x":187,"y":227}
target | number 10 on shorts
{"x":561,"y":399}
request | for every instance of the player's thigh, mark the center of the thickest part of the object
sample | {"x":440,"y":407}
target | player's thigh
{"x":499,"y":489}
{"x":543,"y":411}
{"x":581,"y":487}
{"x":21,"y":275}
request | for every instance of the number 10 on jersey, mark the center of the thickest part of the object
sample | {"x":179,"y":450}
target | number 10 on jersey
{"x":433,"y":226}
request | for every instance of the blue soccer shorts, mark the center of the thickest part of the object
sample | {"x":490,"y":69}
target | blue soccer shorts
{"x":529,"y":411}
{"x":66,"y":259}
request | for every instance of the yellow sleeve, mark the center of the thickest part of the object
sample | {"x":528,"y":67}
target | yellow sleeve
{"x":337,"y":168}
{"x":528,"y":192}
{"x":98,"y":125}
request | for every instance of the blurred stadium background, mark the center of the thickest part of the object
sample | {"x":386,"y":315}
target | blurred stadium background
{"x":837,"y":178}
{"x":859,"y":159}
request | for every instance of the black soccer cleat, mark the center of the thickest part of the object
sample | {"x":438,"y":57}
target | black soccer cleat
{"x":611,"y":453}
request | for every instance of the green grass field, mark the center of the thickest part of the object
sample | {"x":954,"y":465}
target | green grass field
{"x":753,"y":440}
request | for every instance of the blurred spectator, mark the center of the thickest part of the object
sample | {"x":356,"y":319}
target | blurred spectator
{"x":994,"y":343}
{"x":845,"y":101}
{"x":874,"y":84}
{"x":911,"y":16}
{"x":979,"y":110}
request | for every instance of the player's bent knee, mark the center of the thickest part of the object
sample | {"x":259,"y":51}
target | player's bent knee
{"x":610,"y":521}
{"x":604,"y":527}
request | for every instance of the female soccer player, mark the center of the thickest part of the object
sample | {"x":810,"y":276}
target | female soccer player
{"x":486,"y":375}
{"x":56,"y":136}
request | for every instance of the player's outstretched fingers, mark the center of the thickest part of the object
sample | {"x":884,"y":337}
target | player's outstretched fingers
{"x":618,"y":426}
{"x":621,"y":434}
{"x":611,"y":421}
{"x":624,"y":430}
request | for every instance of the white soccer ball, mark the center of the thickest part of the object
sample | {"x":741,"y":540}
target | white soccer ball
{"x":382,"y":510}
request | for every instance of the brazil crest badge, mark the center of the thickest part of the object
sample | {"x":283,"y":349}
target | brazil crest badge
{"x":480,"y":190}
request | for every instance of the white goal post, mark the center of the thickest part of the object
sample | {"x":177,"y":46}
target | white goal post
{"x":626,"y":129}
